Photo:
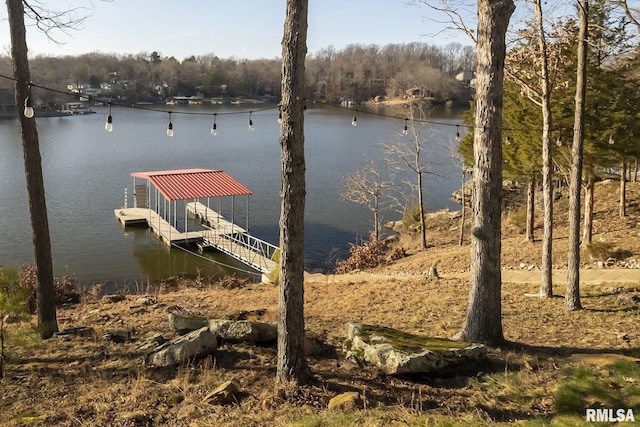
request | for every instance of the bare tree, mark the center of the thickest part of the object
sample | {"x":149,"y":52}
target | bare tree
{"x":292,"y":366}
{"x":365,"y":187}
{"x":546,"y":283}
{"x":458,"y":13}
{"x":458,"y":161}
{"x":483,"y":321}
{"x":45,"y":294}
{"x":538,"y":90}
{"x":408,"y":153}
{"x":572,"y":295}
{"x":632,"y":13}
{"x":622,"y":210}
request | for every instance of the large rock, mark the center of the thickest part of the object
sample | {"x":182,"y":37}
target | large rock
{"x":183,"y":324}
{"x":397,"y":352}
{"x":244,"y":331}
{"x":194,"y":344}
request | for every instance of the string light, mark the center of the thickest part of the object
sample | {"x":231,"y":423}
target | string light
{"x":353,"y":122}
{"x":250,"y":121}
{"x":28,"y":107}
{"x":279,"y":116}
{"x":458,"y":133}
{"x":559,"y":142}
{"x":108,"y":126}
{"x":507,"y":141}
{"x":404,"y":131}
{"x":611,"y":141}
{"x":214,"y":126}
{"x":170,"y":127}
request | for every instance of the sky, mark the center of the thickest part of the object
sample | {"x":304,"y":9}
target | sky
{"x":250,"y":29}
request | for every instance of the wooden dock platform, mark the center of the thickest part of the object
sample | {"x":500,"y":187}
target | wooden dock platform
{"x":213,"y":219}
{"x":219,"y":234}
{"x":165,"y":231}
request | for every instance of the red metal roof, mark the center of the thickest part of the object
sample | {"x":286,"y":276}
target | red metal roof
{"x":186,"y":184}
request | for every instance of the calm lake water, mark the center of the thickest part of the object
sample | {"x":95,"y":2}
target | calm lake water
{"x":86,"y":171}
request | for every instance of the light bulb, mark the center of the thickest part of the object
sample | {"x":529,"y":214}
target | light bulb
{"x":250,"y":121}
{"x":280,"y":117}
{"x":559,"y":142}
{"x":214,"y":129}
{"x":170,"y":127}
{"x":457,"y":133}
{"x":108,"y":126}
{"x":28,"y":108}
{"x":404,"y":131}
{"x":353,"y":122}
{"x":611,"y":141}
{"x":507,"y":141}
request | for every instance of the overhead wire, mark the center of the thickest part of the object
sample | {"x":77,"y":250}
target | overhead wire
{"x":355,"y":111}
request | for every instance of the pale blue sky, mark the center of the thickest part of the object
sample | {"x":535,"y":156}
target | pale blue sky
{"x":231,"y":28}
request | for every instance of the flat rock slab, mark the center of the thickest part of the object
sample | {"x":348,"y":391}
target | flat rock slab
{"x":183,"y":324}
{"x":227,"y":330}
{"x":198,"y":343}
{"x":395,"y":352}
{"x":244,"y":331}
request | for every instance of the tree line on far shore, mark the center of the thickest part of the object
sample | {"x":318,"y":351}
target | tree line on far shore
{"x":356,"y":73}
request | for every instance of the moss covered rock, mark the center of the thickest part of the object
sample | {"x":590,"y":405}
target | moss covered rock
{"x":396,"y":352}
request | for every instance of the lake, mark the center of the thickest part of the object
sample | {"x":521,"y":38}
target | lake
{"x":86,"y":171}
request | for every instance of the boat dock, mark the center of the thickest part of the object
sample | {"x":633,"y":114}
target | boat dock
{"x":215,"y":231}
{"x":167,"y":233}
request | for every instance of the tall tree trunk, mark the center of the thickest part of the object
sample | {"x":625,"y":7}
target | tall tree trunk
{"x":587,"y":230}
{"x":423,"y":221}
{"x":623,"y":189}
{"x":572,"y":295}
{"x":483,"y":321}
{"x":531,"y":207}
{"x":546,"y":283}
{"x":376,"y":218}
{"x":292,"y":366}
{"x":45,"y":294}
{"x":464,"y":210}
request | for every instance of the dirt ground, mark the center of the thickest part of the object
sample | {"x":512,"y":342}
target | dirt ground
{"x":91,"y":381}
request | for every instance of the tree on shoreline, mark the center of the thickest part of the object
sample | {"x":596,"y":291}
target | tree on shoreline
{"x":292,"y":366}
{"x":365,"y":187}
{"x":572,"y":294}
{"x":408,"y":153}
{"x":45,"y":295}
{"x":483,"y":321}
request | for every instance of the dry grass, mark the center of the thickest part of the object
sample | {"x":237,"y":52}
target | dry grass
{"x":88,"y":381}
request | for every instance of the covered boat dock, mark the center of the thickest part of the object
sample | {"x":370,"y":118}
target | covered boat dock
{"x":166,"y":200}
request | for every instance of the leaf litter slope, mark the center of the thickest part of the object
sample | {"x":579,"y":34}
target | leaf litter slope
{"x":91,"y":381}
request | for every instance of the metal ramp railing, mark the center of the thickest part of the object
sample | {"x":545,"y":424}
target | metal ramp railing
{"x":244,"y":247}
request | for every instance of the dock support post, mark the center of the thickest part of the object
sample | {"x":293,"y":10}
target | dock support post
{"x":185,"y":218}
